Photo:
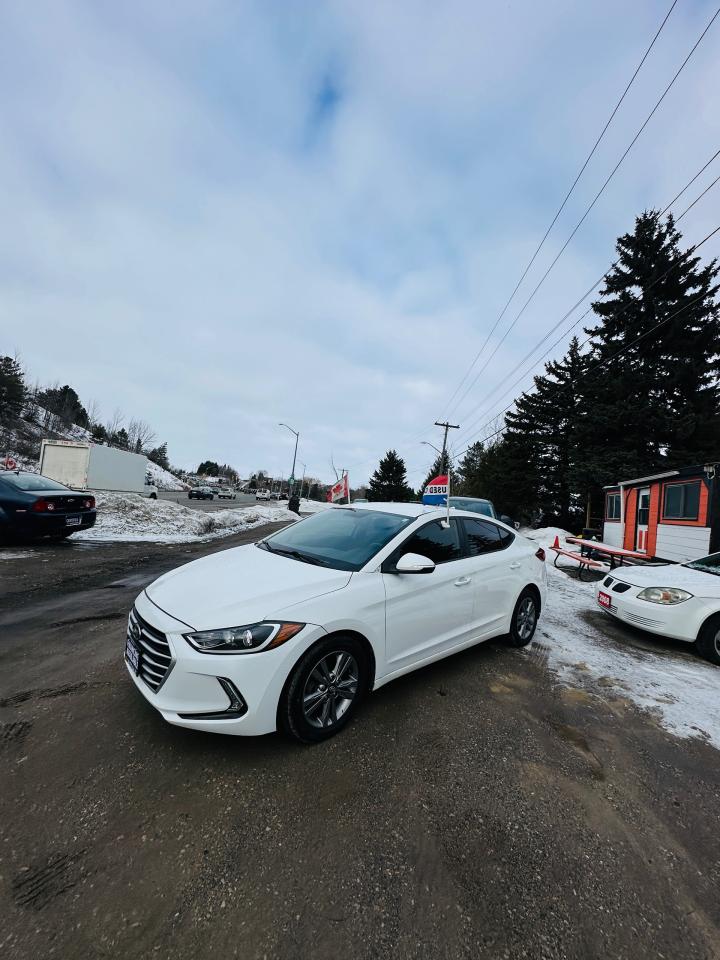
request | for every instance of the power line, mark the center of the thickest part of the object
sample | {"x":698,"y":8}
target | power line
{"x":590,"y":207}
{"x":661,"y":323}
{"x":565,"y":200}
{"x":593,"y":286}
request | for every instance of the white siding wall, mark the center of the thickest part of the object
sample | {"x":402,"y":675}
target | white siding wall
{"x":680,"y":543}
{"x":613,"y":534}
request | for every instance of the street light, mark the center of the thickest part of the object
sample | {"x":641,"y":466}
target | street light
{"x":428,"y":444}
{"x":297,"y":437}
{"x":302,"y":482}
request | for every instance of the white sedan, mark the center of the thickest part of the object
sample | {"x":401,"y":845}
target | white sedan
{"x":293,"y":631}
{"x":677,"y":600}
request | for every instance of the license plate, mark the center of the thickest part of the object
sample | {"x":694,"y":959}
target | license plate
{"x":604,"y":599}
{"x":73,"y":521}
{"x":132,"y":655}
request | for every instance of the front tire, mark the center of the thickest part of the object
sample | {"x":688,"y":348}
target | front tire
{"x":708,"y":641}
{"x":524,"y":619}
{"x":324,"y":690}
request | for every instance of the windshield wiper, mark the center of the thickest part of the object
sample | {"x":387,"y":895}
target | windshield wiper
{"x":296,"y":555}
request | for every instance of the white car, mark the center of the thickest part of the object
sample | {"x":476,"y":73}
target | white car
{"x":677,"y":600}
{"x":262,"y":494}
{"x":293,"y":631}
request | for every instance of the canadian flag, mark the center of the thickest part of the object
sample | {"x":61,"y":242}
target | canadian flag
{"x":339,"y":490}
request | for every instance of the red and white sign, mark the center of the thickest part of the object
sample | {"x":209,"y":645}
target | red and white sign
{"x":10,"y":464}
{"x":604,"y":599}
{"x":436,"y":492}
{"x":339,"y":490}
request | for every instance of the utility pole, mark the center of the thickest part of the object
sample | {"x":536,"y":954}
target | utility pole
{"x":446,"y":426}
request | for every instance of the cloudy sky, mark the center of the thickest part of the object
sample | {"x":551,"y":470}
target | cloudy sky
{"x":221,"y":215}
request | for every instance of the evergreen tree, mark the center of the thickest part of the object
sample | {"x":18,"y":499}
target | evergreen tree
{"x":65,"y":404}
{"x":209,"y":468}
{"x":99,"y":433}
{"x":656,"y":405}
{"x":13,"y":391}
{"x":159,"y":455}
{"x":120,"y":438}
{"x":543,"y":436}
{"x":389,"y":482}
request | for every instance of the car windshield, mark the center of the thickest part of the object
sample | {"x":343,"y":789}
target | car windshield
{"x":344,"y":539}
{"x":31,"y":481}
{"x":474,"y":506}
{"x":709,"y":564}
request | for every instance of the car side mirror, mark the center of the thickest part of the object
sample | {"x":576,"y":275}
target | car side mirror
{"x":414,"y":563}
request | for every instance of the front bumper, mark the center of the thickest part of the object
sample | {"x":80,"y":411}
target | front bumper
{"x":679,"y":621}
{"x":192,"y":693}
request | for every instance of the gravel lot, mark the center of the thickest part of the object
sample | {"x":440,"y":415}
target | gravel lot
{"x":476,"y":808}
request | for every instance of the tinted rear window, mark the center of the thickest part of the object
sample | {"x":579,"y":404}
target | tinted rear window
{"x":31,"y":482}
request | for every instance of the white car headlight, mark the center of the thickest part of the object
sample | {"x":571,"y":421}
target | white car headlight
{"x":251,"y":638}
{"x":664,"y":595}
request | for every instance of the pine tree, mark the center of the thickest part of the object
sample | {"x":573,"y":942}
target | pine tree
{"x":13,"y":391}
{"x":159,"y":455}
{"x":389,"y":482}
{"x":657,"y":404}
{"x":543,"y":432}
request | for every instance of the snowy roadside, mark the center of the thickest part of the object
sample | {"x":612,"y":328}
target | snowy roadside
{"x":130,"y":517}
{"x":680,"y":692}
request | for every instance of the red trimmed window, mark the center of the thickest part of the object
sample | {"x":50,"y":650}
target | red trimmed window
{"x":681,"y":501}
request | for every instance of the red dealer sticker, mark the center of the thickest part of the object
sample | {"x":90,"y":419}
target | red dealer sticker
{"x":604,"y":599}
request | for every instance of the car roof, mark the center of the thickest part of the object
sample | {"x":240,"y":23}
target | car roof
{"x":471,"y":499}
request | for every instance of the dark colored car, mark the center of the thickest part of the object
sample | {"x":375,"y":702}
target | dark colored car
{"x":32,"y":506}
{"x":201,"y":493}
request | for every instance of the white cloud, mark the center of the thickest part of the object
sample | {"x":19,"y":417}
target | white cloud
{"x":181,"y":242}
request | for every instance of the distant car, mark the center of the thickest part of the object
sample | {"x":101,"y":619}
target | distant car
{"x":360,"y":500}
{"x":225,"y":493}
{"x":33,"y":506}
{"x":677,"y":600}
{"x":201,"y":493}
{"x":484,"y":507}
{"x":262,"y":494}
{"x":150,"y":491}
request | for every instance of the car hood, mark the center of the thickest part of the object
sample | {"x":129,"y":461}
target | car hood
{"x":671,"y":575}
{"x":239,"y":586}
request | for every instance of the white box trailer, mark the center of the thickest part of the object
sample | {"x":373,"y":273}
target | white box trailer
{"x":90,"y":466}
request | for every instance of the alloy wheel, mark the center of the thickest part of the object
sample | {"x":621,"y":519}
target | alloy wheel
{"x":526,"y":616}
{"x":330,"y":689}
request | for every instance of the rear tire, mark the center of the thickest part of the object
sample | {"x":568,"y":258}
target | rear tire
{"x":524,"y":619}
{"x":324,"y":690}
{"x":708,"y":641}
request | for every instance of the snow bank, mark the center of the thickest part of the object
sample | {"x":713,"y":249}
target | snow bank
{"x":313,"y":506}
{"x":128,"y":516}
{"x":676,"y":687}
{"x":163,"y":479}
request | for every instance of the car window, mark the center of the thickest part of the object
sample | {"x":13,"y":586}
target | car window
{"x":436,"y":541}
{"x":472,"y":505}
{"x":709,"y":564}
{"x":341,"y":538}
{"x":485,"y":537}
{"x":31,"y":482}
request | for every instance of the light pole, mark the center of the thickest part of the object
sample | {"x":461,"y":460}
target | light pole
{"x":302,"y":482}
{"x":297,"y":437}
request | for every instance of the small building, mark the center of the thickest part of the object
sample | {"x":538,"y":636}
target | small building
{"x":672,"y":516}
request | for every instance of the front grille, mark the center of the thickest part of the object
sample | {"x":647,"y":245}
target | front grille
{"x":642,"y":621}
{"x":156,"y":659}
{"x":621,"y":587}
{"x":607,"y":581}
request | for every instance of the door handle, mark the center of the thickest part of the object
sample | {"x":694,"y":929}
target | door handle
{"x":515,"y":566}
{"x":463,"y":581}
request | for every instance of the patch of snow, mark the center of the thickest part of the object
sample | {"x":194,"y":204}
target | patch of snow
{"x":681,"y":692}
{"x":15,"y":554}
{"x":130,"y":517}
{"x":313,"y":506}
{"x":163,"y":479}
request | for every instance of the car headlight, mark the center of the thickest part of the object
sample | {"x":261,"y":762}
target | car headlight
{"x":251,"y":638}
{"x":664,"y":595}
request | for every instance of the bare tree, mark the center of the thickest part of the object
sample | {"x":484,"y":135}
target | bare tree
{"x":140,"y":435}
{"x":115,"y":422}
